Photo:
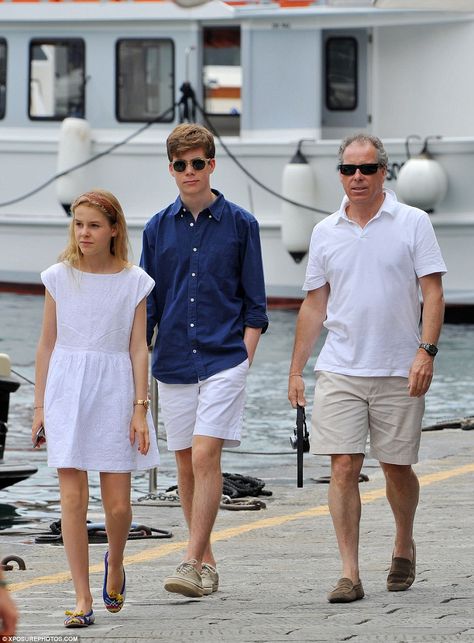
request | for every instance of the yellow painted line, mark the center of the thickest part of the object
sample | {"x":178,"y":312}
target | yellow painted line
{"x":231,"y":532}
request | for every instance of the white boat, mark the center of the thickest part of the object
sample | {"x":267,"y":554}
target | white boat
{"x":79,"y":78}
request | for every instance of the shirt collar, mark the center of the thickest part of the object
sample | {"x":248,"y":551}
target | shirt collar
{"x":389,"y":206}
{"x":215,"y":209}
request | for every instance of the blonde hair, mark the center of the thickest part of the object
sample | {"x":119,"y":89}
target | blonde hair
{"x":189,"y":136}
{"x":106,"y":203}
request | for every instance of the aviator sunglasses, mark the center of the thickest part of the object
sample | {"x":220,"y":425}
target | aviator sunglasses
{"x":197,"y":164}
{"x":366,"y":168}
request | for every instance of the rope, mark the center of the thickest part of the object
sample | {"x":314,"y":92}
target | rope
{"x":97,"y":156}
{"x":235,"y":485}
{"x":187,"y":109}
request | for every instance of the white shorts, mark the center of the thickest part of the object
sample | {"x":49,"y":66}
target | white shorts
{"x":212,"y":407}
{"x":347,"y":409}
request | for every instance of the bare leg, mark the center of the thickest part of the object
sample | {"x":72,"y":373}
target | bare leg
{"x":205,"y":481}
{"x":403,"y":491}
{"x":115,"y":488}
{"x":74,"y":490}
{"x":345,"y":508}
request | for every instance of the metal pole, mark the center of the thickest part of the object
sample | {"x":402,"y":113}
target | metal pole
{"x":153,"y":475}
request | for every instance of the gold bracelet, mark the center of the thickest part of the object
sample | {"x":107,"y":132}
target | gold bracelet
{"x":295,"y":375}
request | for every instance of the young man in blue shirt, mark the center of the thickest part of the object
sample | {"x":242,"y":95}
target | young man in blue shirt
{"x":209,"y":306}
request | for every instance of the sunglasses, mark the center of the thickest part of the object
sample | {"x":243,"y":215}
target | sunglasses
{"x":197,"y":164}
{"x":365,"y":168}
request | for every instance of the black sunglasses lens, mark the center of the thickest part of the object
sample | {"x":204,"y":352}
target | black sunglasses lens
{"x":179,"y":166}
{"x":198,"y":164}
{"x":347,"y":170}
{"x":369,"y":168}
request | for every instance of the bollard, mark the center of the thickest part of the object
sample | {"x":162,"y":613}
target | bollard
{"x":7,"y":385}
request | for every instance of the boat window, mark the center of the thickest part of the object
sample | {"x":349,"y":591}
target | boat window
{"x":341,"y":73}
{"x":222,"y":78}
{"x":57,"y":79}
{"x":145,"y":80}
{"x":3,"y":76}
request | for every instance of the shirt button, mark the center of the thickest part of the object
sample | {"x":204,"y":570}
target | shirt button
{"x":182,"y":215}
{"x":194,"y":249}
{"x":193,"y":274}
{"x":192,"y":299}
{"x":191,"y":224}
{"x":210,"y":216}
{"x":194,"y":350}
{"x":192,"y":325}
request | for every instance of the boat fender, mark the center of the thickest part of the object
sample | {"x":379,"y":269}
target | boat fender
{"x":74,"y":147}
{"x":297,"y":223}
{"x":422,"y":181}
{"x":189,"y":4}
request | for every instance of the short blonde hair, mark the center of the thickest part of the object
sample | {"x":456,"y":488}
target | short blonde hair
{"x":189,"y":136}
{"x":106,"y":203}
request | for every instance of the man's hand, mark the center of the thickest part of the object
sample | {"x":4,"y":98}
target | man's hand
{"x":296,"y":390}
{"x":421,"y":374}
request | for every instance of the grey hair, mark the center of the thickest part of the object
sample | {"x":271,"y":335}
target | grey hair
{"x":382,"y":156}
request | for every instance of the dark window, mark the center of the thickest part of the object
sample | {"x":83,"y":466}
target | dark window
{"x":3,"y":77}
{"x":222,"y":72}
{"x":341,"y":74}
{"x":145,"y":80}
{"x":57,"y":79}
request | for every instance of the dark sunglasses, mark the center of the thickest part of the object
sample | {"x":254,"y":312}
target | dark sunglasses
{"x":197,"y":164}
{"x":365,"y":168}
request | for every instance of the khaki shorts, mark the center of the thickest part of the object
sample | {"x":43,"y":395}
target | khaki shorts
{"x":347,"y":410}
{"x":212,"y":407}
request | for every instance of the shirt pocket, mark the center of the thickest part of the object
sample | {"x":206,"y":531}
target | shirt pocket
{"x":222,"y":259}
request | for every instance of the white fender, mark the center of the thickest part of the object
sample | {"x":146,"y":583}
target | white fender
{"x":297,"y":223}
{"x":188,"y":4}
{"x":5,"y":365}
{"x":74,"y":147}
{"x":422,"y":182}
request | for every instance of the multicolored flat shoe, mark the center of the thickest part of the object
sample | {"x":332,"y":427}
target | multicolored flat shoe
{"x":78,"y":619}
{"x":113,"y":601}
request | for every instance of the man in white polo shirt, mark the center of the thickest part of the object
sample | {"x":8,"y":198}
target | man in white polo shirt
{"x":367,"y":263}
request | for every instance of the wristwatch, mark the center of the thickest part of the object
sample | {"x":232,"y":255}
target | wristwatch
{"x":145,"y":403}
{"x":431,"y":349}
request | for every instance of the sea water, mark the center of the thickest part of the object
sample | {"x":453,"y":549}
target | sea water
{"x":269,"y":419}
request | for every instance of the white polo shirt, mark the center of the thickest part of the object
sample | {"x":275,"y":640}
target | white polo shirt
{"x":373,"y":310}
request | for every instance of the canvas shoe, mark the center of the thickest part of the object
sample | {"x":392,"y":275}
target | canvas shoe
{"x":210,"y":579}
{"x":346,"y":592}
{"x":186,"y":580}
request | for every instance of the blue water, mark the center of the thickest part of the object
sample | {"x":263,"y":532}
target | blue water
{"x":269,"y":418}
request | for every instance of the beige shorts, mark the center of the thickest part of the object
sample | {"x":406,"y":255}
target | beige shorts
{"x":212,"y":407}
{"x":347,"y":410}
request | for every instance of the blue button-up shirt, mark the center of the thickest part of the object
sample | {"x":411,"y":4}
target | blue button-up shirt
{"x":209,"y":286}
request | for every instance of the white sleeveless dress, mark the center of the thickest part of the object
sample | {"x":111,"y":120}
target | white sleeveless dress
{"x":89,"y":394}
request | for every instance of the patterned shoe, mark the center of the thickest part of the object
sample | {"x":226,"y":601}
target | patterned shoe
{"x":346,"y":592}
{"x":210,"y":579}
{"x":113,"y":601}
{"x":186,"y":580}
{"x":78,"y":619}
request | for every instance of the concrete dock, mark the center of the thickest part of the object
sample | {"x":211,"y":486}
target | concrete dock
{"x":277,"y":565}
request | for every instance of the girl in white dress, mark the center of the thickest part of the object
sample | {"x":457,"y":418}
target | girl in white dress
{"x":91,"y":388}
